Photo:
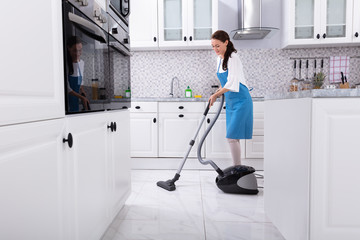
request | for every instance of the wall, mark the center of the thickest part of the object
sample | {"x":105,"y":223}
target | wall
{"x":266,"y":70}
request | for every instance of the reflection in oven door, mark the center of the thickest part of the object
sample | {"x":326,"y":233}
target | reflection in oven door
{"x":87,"y":64}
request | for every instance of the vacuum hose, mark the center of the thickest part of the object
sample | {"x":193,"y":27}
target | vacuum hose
{"x":217,"y":169}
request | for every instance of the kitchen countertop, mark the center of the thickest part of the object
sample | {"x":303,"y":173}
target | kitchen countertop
{"x":315,"y":93}
{"x":168,"y":99}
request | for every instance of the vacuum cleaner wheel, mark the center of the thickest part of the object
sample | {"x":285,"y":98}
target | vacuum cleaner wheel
{"x":238,"y":179}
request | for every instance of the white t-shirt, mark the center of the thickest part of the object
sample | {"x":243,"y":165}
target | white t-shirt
{"x":235,"y":72}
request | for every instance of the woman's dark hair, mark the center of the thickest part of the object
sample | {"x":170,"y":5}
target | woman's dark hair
{"x":223,"y":36}
{"x":71,"y":42}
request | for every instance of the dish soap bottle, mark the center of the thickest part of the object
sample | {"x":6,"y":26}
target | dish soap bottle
{"x":188,"y":92}
{"x":128,"y":93}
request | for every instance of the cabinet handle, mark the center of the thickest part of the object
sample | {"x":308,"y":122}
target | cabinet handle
{"x":69,"y":140}
{"x":324,"y":35}
{"x":224,"y":107}
{"x":154,"y":39}
{"x":137,"y":107}
{"x":181,"y":115}
{"x":181,"y":107}
{"x":190,"y":38}
{"x":154,"y":120}
{"x":356,"y":34}
{"x":114,"y":127}
{"x":208,"y":120}
{"x":111,"y":126}
{"x":318,"y":36}
{"x":185,"y":38}
{"x":124,"y":107}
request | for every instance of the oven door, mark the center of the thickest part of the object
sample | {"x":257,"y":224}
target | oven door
{"x":86,"y":62}
{"x":119,"y":74}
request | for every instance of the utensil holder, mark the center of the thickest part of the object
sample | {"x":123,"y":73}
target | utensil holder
{"x":345,"y":85}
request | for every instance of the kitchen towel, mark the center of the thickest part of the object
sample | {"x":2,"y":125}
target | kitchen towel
{"x":339,"y":64}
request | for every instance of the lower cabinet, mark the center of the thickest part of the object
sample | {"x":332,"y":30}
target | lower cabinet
{"x":32,"y":181}
{"x":65,"y":178}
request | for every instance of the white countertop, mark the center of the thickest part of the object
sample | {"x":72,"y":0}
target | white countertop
{"x":315,"y":93}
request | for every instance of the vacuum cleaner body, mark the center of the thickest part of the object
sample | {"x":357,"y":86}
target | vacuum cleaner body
{"x":238,"y":179}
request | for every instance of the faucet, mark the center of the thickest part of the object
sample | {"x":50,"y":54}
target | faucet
{"x":172,"y":86}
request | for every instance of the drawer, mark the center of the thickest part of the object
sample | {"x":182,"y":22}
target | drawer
{"x":144,"y":107}
{"x":181,"y":107}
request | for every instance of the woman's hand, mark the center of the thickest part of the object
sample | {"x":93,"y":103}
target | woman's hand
{"x":212,"y":99}
{"x":85,"y":102}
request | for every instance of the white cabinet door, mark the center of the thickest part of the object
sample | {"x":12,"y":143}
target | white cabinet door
{"x":32,"y":66}
{"x":216,"y":144}
{"x":335,"y":165}
{"x":143,"y":24}
{"x":202,"y":21}
{"x":144,"y":135}
{"x":172,"y":23}
{"x":255,"y":147}
{"x":175,"y":133}
{"x":119,"y":161}
{"x":87,"y":175}
{"x":31,"y":181}
{"x":356,"y":21}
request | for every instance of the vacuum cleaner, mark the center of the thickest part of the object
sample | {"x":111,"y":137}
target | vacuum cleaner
{"x":238,"y":179}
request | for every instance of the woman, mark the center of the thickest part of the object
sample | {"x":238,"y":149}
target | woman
{"x":76,"y":71}
{"x":239,"y":105}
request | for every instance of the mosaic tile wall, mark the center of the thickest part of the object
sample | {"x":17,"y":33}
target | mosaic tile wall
{"x":266,"y":70}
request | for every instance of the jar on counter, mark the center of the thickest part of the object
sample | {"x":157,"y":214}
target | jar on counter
{"x":95,"y":88}
{"x":294,"y":85}
{"x":102,"y":93}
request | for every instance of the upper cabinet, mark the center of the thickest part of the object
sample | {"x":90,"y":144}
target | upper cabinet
{"x":32,"y":73}
{"x":172,"y":24}
{"x":320,"y":22}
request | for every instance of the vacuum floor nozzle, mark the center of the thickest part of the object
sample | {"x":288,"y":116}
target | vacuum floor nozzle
{"x":167,"y":185}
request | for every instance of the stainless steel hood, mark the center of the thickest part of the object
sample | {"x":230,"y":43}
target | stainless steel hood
{"x":250,"y":22}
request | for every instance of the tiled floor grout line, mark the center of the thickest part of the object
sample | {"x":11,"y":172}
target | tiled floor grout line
{"x":202,"y":204}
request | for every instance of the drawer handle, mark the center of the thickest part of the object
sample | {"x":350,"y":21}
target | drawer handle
{"x":154,"y":120}
{"x":356,"y":34}
{"x":137,"y":107}
{"x":114,"y":127}
{"x":124,"y":107}
{"x":69,"y":140}
{"x":224,"y":107}
{"x":181,"y":115}
{"x":181,"y":107}
{"x":318,"y":36}
{"x":111,"y":126}
{"x":208,"y":120}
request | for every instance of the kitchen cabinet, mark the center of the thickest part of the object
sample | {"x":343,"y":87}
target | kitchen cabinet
{"x":318,"y":22}
{"x":87,"y":175}
{"x":356,"y":22}
{"x":98,"y":171}
{"x":32,"y":171}
{"x":144,"y":129}
{"x":32,"y":75}
{"x":173,"y":24}
{"x":178,"y":123}
{"x":119,"y":166}
{"x":143,"y":24}
{"x":255,"y":146}
{"x":312,"y":163}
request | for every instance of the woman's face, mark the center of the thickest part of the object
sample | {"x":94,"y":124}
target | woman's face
{"x":75,"y":52}
{"x":219,"y":47}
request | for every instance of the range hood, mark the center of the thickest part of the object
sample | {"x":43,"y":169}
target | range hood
{"x":250,"y":22}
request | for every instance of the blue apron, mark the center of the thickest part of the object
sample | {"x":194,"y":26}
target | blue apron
{"x":74,"y":83}
{"x":239,"y":110}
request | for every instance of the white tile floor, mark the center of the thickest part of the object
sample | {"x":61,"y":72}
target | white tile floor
{"x":196,"y":210}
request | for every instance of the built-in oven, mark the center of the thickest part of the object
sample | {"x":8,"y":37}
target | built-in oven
{"x":91,"y":83}
{"x":119,"y":10}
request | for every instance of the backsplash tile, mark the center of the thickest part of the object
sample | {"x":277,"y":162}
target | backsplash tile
{"x":266,"y":70}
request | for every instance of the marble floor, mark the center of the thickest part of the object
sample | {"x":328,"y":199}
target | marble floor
{"x":196,"y":210}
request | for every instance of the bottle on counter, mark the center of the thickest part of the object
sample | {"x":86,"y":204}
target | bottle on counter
{"x":188,"y":92}
{"x":128,"y":93}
